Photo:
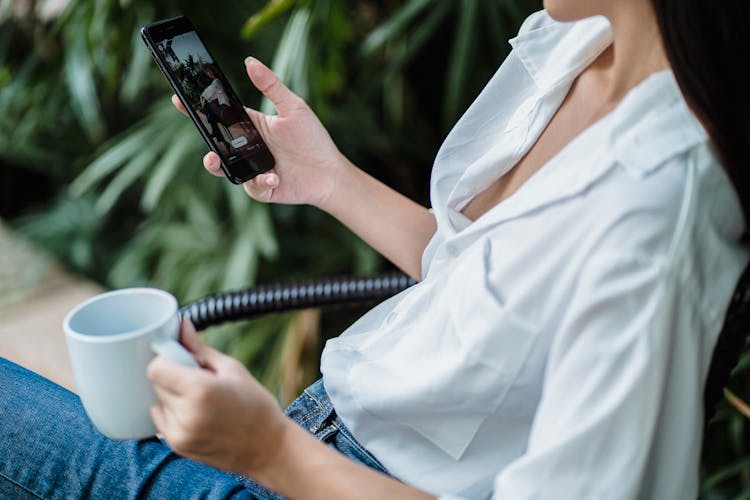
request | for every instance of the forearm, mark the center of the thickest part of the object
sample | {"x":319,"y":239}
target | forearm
{"x":394,"y":225}
{"x":303,"y":467}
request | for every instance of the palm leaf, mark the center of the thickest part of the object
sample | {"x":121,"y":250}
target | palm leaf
{"x":290,"y":60}
{"x":79,"y":77}
{"x":394,"y":26}
{"x":259,"y":20}
{"x":461,"y":60}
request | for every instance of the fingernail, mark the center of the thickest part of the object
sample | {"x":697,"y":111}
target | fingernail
{"x":248,"y":59}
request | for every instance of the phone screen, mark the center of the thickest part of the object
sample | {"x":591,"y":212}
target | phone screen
{"x":208,"y":97}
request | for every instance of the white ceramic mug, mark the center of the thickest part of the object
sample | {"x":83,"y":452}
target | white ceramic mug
{"x":111,"y":339}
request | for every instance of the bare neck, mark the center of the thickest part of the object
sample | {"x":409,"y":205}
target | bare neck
{"x":636,"y":52}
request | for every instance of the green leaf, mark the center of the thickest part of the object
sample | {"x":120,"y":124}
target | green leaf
{"x":742,"y":365}
{"x":241,"y":261}
{"x":405,"y":52}
{"x":461,"y":61}
{"x":726,"y":472}
{"x":271,"y":11}
{"x":395,"y":25}
{"x":290,"y":60}
{"x":205,"y":218}
{"x":114,"y":156}
{"x":125,"y":146}
{"x":263,"y":231}
{"x":133,"y":169}
{"x":79,"y":78}
{"x":135,"y":78}
{"x":166,"y":168}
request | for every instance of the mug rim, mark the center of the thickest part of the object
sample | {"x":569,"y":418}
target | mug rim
{"x":84,"y":337}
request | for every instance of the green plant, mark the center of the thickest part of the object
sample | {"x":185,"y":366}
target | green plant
{"x":131,"y":204}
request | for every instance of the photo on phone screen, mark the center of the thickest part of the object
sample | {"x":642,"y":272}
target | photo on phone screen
{"x":210,"y":101}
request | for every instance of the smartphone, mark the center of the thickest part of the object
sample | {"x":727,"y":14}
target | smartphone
{"x":208,"y":98}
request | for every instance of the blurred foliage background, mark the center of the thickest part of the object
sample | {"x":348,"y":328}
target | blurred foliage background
{"x":97,"y":167}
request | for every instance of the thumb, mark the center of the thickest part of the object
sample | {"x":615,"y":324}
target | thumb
{"x":265,"y":80}
{"x":205,"y":355}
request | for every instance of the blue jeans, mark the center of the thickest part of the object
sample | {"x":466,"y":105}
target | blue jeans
{"x":49,"y":449}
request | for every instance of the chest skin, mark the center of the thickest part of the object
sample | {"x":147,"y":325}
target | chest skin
{"x":585,"y":103}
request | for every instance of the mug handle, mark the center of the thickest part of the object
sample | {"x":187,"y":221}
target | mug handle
{"x":174,"y":351}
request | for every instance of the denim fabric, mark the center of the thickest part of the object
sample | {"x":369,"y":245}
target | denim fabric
{"x":49,"y":449}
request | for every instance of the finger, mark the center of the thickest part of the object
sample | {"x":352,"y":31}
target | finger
{"x":258,"y":120}
{"x":254,"y":115}
{"x":166,"y":395}
{"x":261,"y":186}
{"x":164,"y":419}
{"x":212,"y":163}
{"x":159,"y":417}
{"x":170,"y":375}
{"x":178,"y":104}
{"x":206,"y":355}
{"x":265,"y":80}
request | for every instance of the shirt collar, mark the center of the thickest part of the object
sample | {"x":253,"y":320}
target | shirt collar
{"x":555,"y":51}
{"x":648,"y":127}
{"x":652,"y":124}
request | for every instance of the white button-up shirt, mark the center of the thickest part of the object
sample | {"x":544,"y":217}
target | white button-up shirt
{"x":557,"y":346}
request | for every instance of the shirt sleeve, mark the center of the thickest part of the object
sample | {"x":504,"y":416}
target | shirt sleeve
{"x":604,"y":382}
{"x":208,"y":93}
{"x":214,"y":91}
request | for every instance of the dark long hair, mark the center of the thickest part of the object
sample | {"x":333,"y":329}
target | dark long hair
{"x":708,"y":43}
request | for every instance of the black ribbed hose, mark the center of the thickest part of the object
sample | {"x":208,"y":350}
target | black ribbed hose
{"x":278,"y":297}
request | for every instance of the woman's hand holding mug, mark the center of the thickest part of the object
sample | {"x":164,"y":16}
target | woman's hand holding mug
{"x":219,"y":415}
{"x":139,"y":371}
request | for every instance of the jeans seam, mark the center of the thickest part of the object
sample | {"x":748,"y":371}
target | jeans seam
{"x":317,"y":401}
{"x":320,"y":413}
{"x":27,"y":490}
{"x":346,"y":434}
{"x":309,"y":416}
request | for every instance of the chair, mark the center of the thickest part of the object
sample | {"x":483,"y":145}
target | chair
{"x":349,"y":290}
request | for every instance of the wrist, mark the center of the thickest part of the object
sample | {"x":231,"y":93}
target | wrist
{"x":303,"y":467}
{"x":339,"y":186}
{"x":271,"y":470}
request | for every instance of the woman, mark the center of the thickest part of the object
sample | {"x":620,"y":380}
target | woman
{"x":583,"y":244}
{"x":215,"y":104}
{"x":215,"y":97}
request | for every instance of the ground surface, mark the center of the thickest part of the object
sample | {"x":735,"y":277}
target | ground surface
{"x":35,"y":295}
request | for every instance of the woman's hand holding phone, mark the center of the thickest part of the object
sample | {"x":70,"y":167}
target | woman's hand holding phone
{"x":308,"y":163}
{"x":310,"y":169}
